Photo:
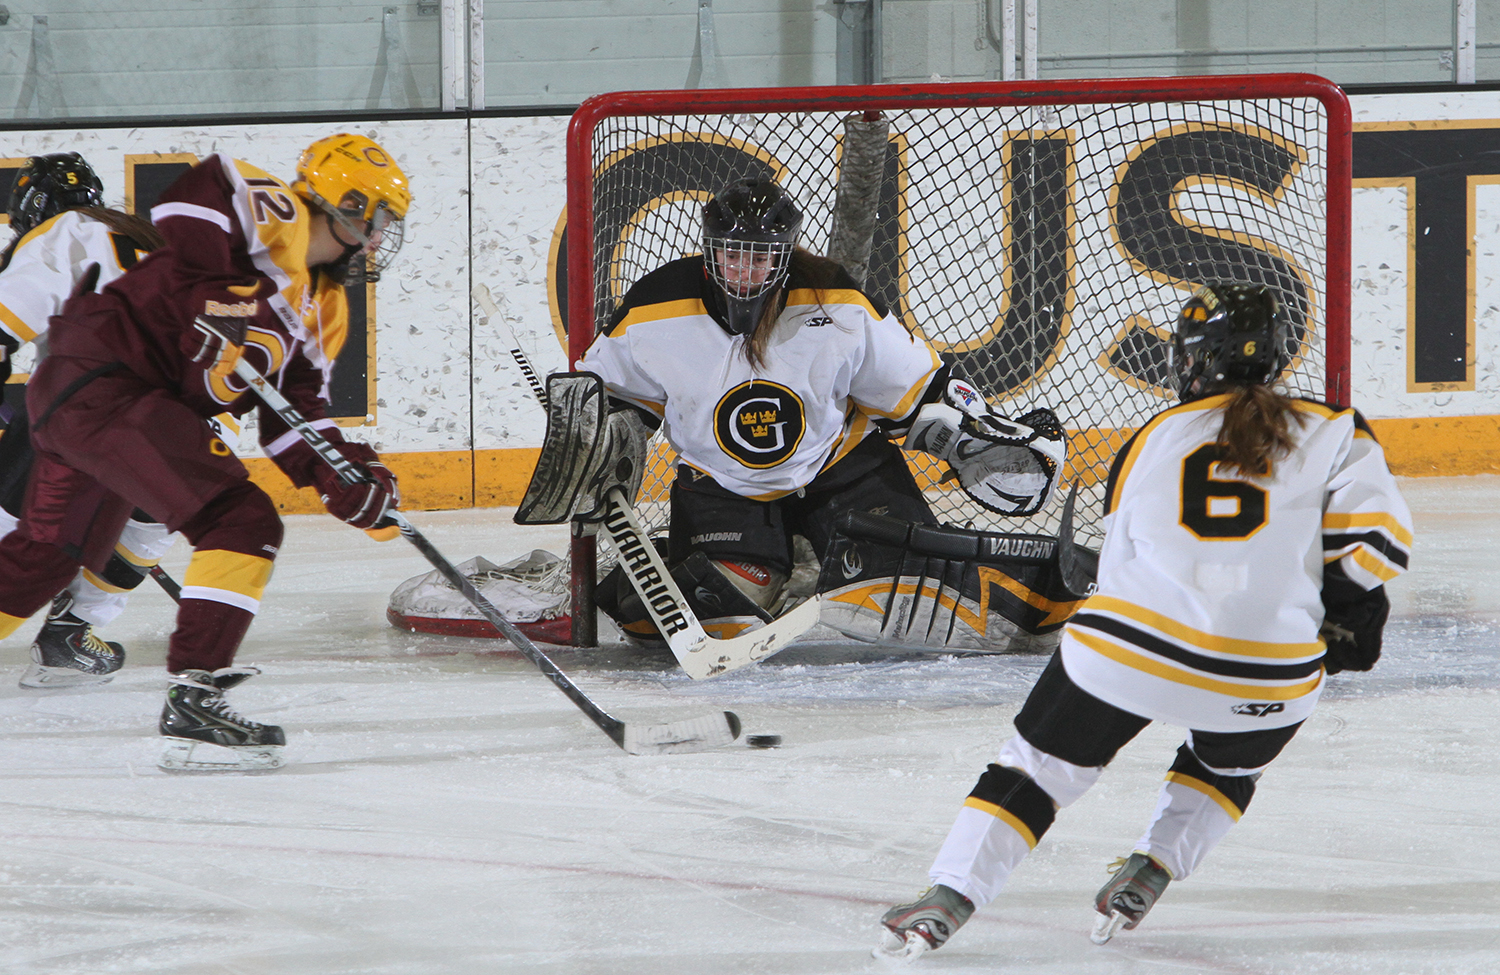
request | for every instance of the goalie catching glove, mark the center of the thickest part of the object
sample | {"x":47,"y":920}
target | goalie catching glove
{"x":1008,"y":466}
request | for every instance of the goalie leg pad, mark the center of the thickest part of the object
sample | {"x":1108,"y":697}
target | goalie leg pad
{"x":587,"y":451}
{"x":902,"y":584}
{"x":722,"y":609}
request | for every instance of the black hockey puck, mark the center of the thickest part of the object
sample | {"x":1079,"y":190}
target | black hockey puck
{"x":763,"y":741}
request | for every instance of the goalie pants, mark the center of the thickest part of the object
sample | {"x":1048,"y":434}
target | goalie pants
{"x":1066,"y":738}
{"x":107,"y":446}
{"x":730,"y":527}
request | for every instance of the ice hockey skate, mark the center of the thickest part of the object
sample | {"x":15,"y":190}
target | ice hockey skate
{"x":1121,"y":903}
{"x":204,"y":734}
{"x":912,"y":930}
{"x":66,"y":652}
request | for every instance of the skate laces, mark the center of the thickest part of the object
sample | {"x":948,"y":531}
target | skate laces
{"x":94,"y":645}
{"x":219,"y":705}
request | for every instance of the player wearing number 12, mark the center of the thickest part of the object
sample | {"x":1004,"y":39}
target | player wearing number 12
{"x":1248,"y":537}
{"x":120,"y":407}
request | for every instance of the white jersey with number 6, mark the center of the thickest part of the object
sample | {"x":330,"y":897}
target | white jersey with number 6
{"x":1209,"y":595}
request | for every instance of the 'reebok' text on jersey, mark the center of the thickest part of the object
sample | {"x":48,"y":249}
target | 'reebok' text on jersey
{"x":1209,"y":595}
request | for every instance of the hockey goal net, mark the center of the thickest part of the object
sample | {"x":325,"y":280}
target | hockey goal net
{"x":1041,"y":236}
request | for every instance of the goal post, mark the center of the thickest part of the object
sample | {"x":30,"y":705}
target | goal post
{"x":1041,"y":235}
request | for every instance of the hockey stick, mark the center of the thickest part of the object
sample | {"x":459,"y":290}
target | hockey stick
{"x":690,"y":735}
{"x":699,"y":654}
{"x":492,"y":314}
{"x":167,"y":583}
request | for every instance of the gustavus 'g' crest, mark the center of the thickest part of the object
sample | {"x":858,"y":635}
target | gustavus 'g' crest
{"x":759,"y":423}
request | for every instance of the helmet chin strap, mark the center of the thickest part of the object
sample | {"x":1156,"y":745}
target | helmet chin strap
{"x":339,"y":268}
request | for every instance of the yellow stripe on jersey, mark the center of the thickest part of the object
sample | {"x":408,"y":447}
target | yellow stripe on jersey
{"x":1368,"y":519}
{"x":1006,"y":817}
{"x":1374,"y":564}
{"x":1198,"y":638}
{"x":1156,"y":668}
{"x":15,"y":326}
{"x":245,"y":575}
{"x":1197,"y":785}
{"x":681,"y":308}
{"x":1207,"y":403}
{"x":853,"y":436}
{"x":907,"y":401}
{"x":831,"y":296}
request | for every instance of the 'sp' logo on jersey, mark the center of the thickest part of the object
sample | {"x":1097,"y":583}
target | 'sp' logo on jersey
{"x":759,"y":423}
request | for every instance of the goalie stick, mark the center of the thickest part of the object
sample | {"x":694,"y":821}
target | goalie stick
{"x":699,"y":654}
{"x":492,"y":314}
{"x":690,"y":735}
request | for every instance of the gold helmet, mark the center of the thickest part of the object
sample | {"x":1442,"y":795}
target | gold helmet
{"x":354,"y":181}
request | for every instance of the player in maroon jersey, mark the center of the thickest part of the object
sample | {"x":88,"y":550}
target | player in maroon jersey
{"x":252,"y":267}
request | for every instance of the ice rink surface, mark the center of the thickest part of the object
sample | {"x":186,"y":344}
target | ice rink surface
{"x":445,"y":810}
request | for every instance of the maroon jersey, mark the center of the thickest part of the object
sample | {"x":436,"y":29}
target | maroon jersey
{"x":234,"y":233}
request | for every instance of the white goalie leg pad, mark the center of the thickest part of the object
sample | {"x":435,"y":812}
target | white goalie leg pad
{"x":190,"y":755}
{"x":1061,"y":780}
{"x":1187,"y":825}
{"x":979,"y":855}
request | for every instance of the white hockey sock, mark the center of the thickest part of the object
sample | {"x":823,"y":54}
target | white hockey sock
{"x":1191,"y":818}
{"x":979,"y":854}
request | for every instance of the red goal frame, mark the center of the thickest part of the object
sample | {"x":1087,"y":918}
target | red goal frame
{"x":877,"y":98}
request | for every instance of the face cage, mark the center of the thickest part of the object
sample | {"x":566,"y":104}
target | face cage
{"x":744,"y":253}
{"x":387,"y":228}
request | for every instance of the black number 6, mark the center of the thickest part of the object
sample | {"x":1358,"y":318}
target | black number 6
{"x":1200,"y":488}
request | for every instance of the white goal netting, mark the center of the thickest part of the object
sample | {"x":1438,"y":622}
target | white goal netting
{"x":1042,"y":247}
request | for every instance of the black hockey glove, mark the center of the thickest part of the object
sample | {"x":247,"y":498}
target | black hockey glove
{"x":9,"y":345}
{"x":1353,"y":621}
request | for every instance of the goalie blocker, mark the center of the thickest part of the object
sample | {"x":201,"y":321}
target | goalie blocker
{"x":928,"y":586}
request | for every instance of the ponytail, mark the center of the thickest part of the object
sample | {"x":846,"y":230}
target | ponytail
{"x":1256,"y":429}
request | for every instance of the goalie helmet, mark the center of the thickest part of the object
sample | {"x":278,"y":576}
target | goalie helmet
{"x":1229,"y":334}
{"x":749,"y":231}
{"x":48,"y":185}
{"x":353,"y":180}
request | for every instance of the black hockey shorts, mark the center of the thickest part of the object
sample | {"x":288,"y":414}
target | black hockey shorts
{"x":1063,"y":720}
{"x":723,"y":525}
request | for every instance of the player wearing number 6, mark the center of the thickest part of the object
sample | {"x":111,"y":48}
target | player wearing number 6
{"x":119,"y":410}
{"x":1248,"y":538}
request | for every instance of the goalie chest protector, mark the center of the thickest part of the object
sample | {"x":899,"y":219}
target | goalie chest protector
{"x":832,"y":367}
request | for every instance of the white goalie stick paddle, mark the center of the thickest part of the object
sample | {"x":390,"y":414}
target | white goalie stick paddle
{"x":690,"y":735}
{"x":699,"y":654}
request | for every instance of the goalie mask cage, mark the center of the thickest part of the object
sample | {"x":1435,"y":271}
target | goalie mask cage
{"x":1041,"y":235}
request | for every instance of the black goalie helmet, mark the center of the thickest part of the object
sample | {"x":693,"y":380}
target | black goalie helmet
{"x":749,"y":231}
{"x":1229,"y":334}
{"x":47,"y":185}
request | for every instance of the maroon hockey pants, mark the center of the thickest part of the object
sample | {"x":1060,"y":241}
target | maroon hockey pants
{"x":116,"y":444}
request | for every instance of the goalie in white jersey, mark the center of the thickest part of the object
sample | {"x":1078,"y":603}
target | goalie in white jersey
{"x":66,"y":240}
{"x":781,"y":385}
{"x":1248,"y":537}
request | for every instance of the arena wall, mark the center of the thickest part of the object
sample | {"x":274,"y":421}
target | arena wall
{"x":432,"y":384}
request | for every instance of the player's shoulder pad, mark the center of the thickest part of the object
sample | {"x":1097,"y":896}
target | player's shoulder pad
{"x":676,"y":281}
{"x":836,"y":284}
{"x":1329,"y":412}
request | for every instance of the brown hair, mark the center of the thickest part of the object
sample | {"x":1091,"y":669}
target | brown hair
{"x":139,"y":230}
{"x":818,"y":273}
{"x":1256,"y":429}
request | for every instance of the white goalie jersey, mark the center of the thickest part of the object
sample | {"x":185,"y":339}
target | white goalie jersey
{"x":1209,"y":592}
{"x":47,"y":263}
{"x":832,"y":369}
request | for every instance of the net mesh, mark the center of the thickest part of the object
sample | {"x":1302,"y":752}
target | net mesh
{"x":1042,"y":249}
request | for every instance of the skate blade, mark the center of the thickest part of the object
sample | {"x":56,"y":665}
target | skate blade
{"x":893,"y":947}
{"x":188,"y":755}
{"x":1105,"y":926}
{"x":38,"y":677}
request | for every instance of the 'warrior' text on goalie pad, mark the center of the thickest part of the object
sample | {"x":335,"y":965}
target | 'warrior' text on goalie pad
{"x":901,"y":584}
